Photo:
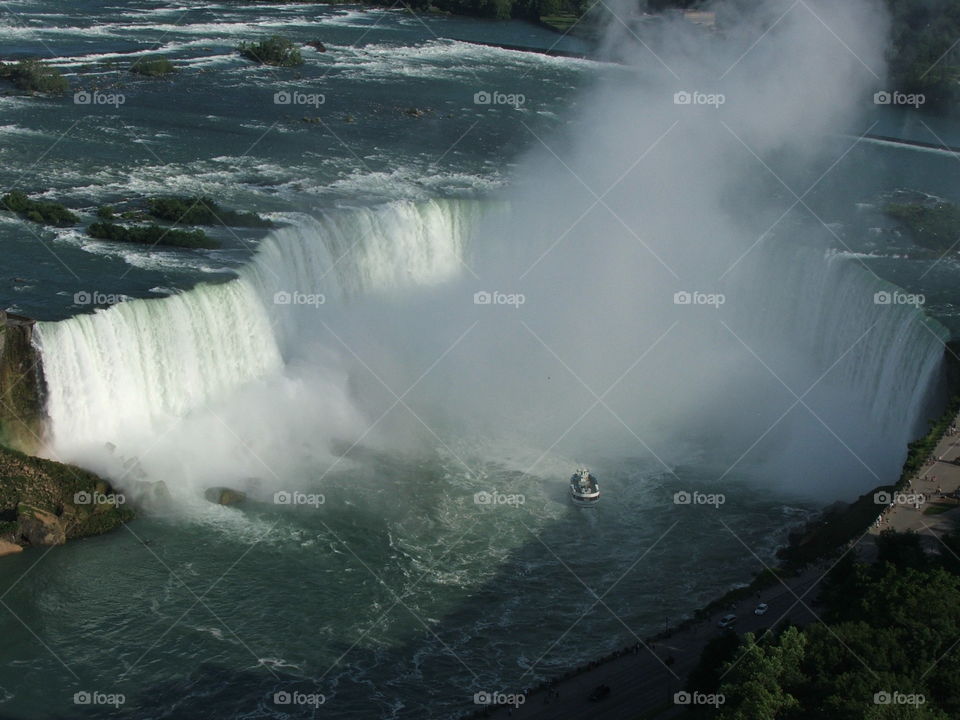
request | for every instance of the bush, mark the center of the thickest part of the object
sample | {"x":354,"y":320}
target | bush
{"x":44,"y":213}
{"x":201,"y":211}
{"x":152,"y":235}
{"x":155,"y":67}
{"x":275,"y":50}
{"x":936,"y":227}
{"x":34,"y":76}
{"x":105,"y":212}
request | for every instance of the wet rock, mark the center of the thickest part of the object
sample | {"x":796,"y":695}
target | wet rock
{"x":224,"y":496}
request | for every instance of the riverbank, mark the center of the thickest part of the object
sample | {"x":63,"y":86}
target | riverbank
{"x":643,"y":677}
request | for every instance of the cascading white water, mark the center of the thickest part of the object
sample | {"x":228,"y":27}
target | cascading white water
{"x":121,"y":369}
{"x":829,"y":306}
{"x":131,"y":368}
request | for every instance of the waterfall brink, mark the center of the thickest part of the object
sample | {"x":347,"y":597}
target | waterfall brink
{"x":121,"y":369}
{"x":826,"y":304}
{"x":393,"y":283}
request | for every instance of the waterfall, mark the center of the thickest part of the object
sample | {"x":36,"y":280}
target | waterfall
{"x":134,"y":366}
{"x":124,"y":367}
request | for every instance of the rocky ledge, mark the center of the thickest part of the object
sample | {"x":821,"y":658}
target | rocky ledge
{"x":43,"y":502}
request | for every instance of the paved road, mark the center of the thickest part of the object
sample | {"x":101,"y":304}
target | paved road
{"x":643,"y":681}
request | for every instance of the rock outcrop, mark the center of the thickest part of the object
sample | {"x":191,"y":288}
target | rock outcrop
{"x":224,"y":496}
{"x":21,"y":385}
{"x":43,"y":502}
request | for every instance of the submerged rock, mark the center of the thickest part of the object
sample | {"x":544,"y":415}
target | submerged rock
{"x":224,"y":496}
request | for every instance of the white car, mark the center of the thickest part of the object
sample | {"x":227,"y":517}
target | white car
{"x":761,"y":609}
{"x":727,"y":620}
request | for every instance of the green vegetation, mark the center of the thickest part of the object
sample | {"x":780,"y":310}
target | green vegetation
{"x":936,"y":227}
{"x":153,"y":67}
{"x":921,"y":449}
{"x":47,"y":503}
{"x":923,"y":33}
{"x":151,"y":235}
{"x":201,"y":211}
{"x":45,"y":213}
{"x":274,"y":50}
{"x":35,"y":76}
{"x":105,"y":212}
{"x":888,"y":628}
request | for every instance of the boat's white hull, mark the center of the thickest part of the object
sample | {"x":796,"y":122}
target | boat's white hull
{"x":585,"y":501}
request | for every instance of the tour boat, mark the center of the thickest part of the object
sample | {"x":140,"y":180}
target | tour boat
{"x":584,"y":490}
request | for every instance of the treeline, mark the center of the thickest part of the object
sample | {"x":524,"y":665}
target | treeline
{"x":887,"y":646}
{"x":922,"y":57}
{"x":504,"y":9}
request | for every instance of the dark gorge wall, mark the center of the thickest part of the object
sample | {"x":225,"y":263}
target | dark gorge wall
{"x":21,"y":385}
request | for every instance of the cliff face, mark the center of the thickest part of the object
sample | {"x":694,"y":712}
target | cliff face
{"x":21,"y":385}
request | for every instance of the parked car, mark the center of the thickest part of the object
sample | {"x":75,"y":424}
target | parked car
{"x":761,"y":609}
{"x":727,"y":621}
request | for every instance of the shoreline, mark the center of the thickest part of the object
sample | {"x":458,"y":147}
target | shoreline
{"x":643,"y":676}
